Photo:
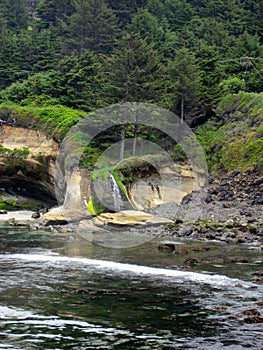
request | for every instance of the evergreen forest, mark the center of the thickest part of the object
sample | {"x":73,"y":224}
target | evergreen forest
{"x":71,"y":57}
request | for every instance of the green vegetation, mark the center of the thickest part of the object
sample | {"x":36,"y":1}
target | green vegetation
{"x":236,"y":141}
{"x":54,"y":120}
{"x":63,"y":59}
{"x":11,"y":204}
{"x":7,"y":204}
{"x":24,"y":152}
{"x":94,"y":207}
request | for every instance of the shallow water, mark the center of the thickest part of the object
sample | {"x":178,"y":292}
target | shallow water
{"x":63,"y":292}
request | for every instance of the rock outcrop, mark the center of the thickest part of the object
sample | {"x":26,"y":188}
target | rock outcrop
{"x":27,"y":161}
{"x":130,"y":218}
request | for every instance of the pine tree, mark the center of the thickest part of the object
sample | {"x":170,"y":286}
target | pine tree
{"x":148,"y":26}
{"x":185,"y":83}
{"x":211,"y":73}
{"x":93,"y":27}
{"x":125,"y":9}
{"x":16,"y":14}
{"x":134,"y":72}
{"x":50,"y":12}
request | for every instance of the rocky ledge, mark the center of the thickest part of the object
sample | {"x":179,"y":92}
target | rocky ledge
{"x":231,"y":213}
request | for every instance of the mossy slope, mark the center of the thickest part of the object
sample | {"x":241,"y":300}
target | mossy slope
{"x":234,"y":140}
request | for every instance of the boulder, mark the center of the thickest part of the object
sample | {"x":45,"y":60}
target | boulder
{"x":130,"y":218}
{"x":61,"y":216}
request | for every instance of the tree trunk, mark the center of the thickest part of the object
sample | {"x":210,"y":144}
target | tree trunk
{"x":123,"y":131}
{"x":135,"y":134}
{"x":182,"y":110}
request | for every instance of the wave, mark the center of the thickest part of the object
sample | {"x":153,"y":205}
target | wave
{"x":214,"y":280}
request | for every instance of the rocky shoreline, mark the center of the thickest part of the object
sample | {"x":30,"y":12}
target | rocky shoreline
{"x":231,"y":213}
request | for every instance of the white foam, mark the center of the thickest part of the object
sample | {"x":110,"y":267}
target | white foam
{"x":213,"y":279}
{"x":16,"y":316}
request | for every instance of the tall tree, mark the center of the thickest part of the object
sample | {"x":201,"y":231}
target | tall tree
{"x":125,"y":9}
{"x":148,"y":26}
{"x":50,"y":12}
{"x":185,"y":83}
{"x":211,"y":73}
{"x":16,"y":14}
{"x":134,"y":72}
{"x":93,"y":26}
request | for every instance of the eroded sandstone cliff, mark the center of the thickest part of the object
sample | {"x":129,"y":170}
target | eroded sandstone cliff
{"x":27,"y":161}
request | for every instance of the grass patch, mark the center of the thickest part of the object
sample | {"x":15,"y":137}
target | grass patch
{"x":236,"y":144}
{"x":54,"y":120}
{"x":23,"y":152}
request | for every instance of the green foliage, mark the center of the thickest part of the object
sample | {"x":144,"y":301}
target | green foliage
{"x":55,"y":120}
{"x":232,"y":85}
{"x":76,"y":83}
{"x":23,"y":152}
{"x":235,"y":145}
{"x":118,"y":180}
{"x":178,"y":154}
{"x":92,"y":26}
{"x":93,"y":207}
{"x":185,"y":86}
{"x":7,"y":204}
{"x":134,"y":70}
{"x":190,"y":56}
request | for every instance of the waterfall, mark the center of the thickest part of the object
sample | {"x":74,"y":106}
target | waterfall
{"x":117,"y":199}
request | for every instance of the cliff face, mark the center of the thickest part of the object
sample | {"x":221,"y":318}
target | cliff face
{"x":27,"y":159}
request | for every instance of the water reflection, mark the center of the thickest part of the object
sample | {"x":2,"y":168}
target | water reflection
{"x":54,"y":294}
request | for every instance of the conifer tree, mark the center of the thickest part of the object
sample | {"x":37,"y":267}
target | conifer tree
{"x":185,"y":83}
{"x":93,"y":27}
{"x":125,"y":9}
{"x":134,"y":72}
{"x":16,"y":14}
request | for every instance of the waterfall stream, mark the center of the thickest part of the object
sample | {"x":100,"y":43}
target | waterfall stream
{"x":116,"y":193}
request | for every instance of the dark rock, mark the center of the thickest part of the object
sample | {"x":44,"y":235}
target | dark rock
{"x":181,"y":251}
{"x":258,"y":182}
{"x":166,"y":246}
{"x":260,"y":200}
{"x":253,"y":230}
{"x":224,"y":182}
{"x":201,"y":249}
{"x":187,"y":199}
{"x":259,"y":273}
{"x":35,"y":215}
{"x":55,"y":222}
{"x":234,"y":174}
{"x":3,"y":212}
{"x":211,"y":178}
{"x":210,"y":236}
{"x":239,"y":260}
{"x":259,"y":231}
{"x":191,"y":261}
{"x":251,"y":312}
{"x":212,"y":191}
{"x":209,"y":199}
{"x":245,"y":213}
{"x":254,"y":319}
